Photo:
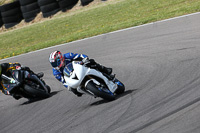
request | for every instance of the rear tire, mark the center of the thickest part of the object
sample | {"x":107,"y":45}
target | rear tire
{"x":91,"y":86}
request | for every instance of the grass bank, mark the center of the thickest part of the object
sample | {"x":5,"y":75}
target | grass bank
{"x":89,"y":21}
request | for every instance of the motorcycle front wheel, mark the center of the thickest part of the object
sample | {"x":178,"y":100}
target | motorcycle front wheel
{"x":37,"y":93}
{"x":92,"y":87}
{"x":121,"y":87}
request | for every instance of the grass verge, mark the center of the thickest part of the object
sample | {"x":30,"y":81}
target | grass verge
{"x":89,"y":21}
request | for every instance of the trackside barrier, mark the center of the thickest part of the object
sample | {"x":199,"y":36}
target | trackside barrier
{"x":85,"y":2}
{"x":67,"y":4}
{"x":13,"y":13}
{"x":48,"y":7}
{"x":30,"y":9}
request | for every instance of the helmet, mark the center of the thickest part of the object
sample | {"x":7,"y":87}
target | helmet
{"x":56,"y":59}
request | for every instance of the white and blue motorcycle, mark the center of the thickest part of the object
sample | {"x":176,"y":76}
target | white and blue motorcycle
{"x":92,"y":82}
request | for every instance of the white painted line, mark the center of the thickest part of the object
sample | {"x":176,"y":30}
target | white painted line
{"x":106,"y":34}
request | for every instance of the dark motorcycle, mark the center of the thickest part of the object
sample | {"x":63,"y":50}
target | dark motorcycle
{"x":22,"y":83}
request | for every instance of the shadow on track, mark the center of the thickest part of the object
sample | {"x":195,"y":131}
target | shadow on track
{"x":39,"y":99}
{"x":117,"y":97}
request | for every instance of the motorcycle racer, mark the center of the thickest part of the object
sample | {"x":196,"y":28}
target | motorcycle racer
{"x":5,"y":69}
{"x":59,"y":61}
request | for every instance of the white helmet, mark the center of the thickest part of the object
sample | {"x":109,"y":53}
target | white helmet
{"x":56,"y":59}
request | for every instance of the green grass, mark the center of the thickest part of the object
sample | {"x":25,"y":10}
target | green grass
{"x":2,"y":2}
{"x":89,"y":21}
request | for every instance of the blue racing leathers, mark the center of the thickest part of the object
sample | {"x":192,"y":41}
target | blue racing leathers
{"x":69,"y":57}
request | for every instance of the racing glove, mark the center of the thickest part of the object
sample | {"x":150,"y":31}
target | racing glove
{"x":85,"y":60}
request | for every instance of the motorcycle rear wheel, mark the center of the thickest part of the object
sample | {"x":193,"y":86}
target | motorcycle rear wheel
{"x":91,"y":86}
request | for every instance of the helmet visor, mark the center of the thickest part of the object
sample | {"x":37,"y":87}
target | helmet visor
{"x":56,"y":63}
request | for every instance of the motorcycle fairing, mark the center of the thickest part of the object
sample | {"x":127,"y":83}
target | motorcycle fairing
{"x":81,"y":72}
{"x":8,"y":83}
{"x":18,"y":75}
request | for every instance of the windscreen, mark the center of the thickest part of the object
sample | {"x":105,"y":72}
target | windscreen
{"x":9,"y":83}
{"x":68,"y":69}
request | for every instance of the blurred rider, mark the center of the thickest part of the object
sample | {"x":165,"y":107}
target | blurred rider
{"x":59,"y":61}
{"x":5,"y":69}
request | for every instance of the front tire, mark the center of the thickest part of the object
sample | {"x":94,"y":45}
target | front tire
{"x":92,"y":87}
{"x":37,"y":93}
{"x":48,"y":88}
{"x":121,"y":87}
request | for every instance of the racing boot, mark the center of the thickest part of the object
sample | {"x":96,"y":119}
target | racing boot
{"x":104,"y":69}
{"x":93,"y":64}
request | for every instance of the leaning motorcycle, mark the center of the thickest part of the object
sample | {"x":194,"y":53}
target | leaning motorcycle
{"x":25,"y":84}
{"x":92,"y":82}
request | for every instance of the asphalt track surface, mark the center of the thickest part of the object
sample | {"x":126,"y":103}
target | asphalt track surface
{"x":159,"y":64}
